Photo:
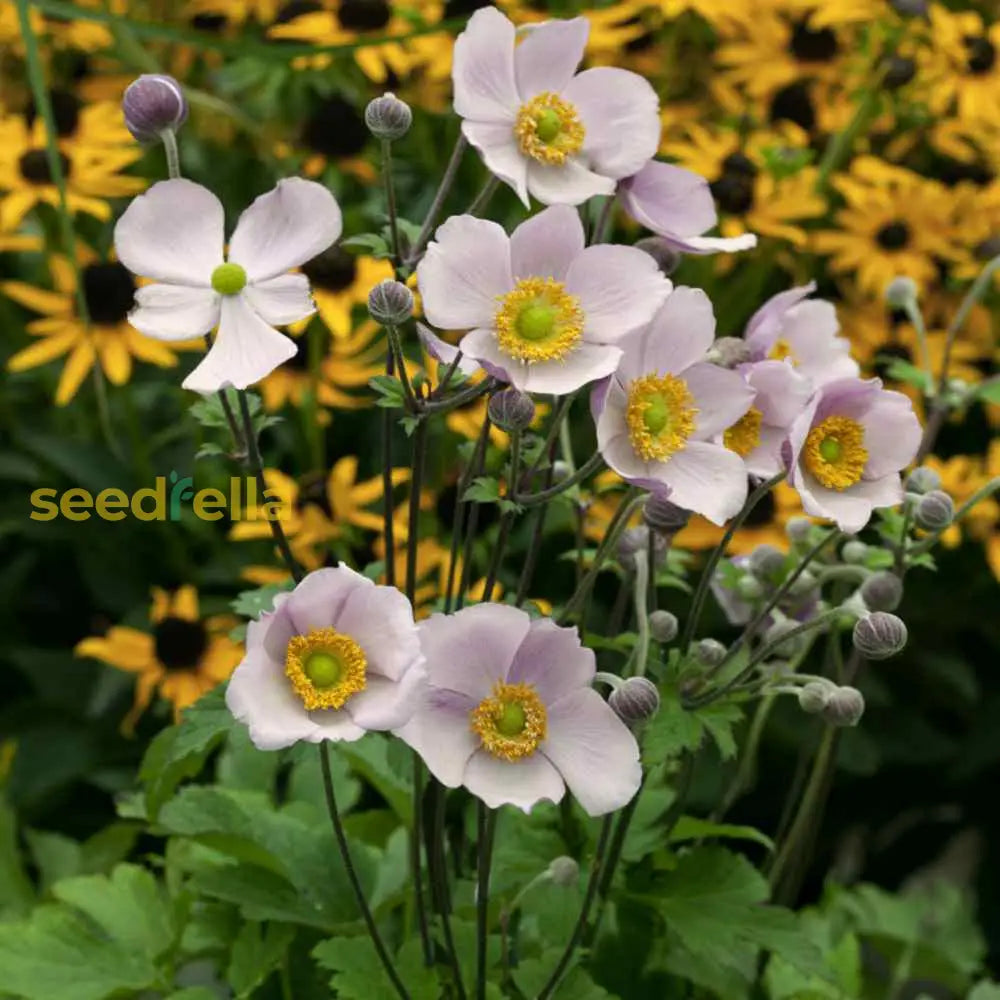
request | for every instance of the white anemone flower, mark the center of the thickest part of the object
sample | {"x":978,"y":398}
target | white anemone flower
{"x":174,"y":234}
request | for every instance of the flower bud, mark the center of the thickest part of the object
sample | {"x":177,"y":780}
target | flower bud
{"x":637,"y":540}
{"x":709,"y":652}
{"x":854,"y":552}
{"x":635,"y":700}
{"x":390,"y":303}
{"x":728,"y":352}
{"x":900,"y":291}
{"x":923,"y":480}
{"x":882,"y":592}
{"x":879,"y":635}
{"x":388,"y":118}
{"x":898,"y":71}
{"x":988,"y":249}
{"x":799,"y":530}
{"x":805,"y":584}
{"x":151,"y":104}
{"x":561,"y":470}
{"x":663,"y":626}
{"x":749,"y":587}
{"x":936,"y":510}
{"x":814,"y":696}
{"x":776,"y":632}
{"x":663,"y":516}
{"x":666,"y":257}
{"x":844,"y":707}
{"x":511,"y":410}
{"x":766,"y":562}
{"x":564,"y":871}
{"x":909,"y":8}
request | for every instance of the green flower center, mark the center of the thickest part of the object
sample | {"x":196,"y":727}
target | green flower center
{"x":511,"y":720}
{"x":656,"y":415}
{"x":830,"y":449}
{"x":228,"y":279}
{"x":323,"y":669}
{"x":548,"y":125}
{"x":535,"y":322}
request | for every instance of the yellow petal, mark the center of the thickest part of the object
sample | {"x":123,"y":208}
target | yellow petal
{"x":77,"y":366}
{"x":38,"y":299}
{"x":115,"y":358}
{"x":185,"y":603}
{"x":38,"y":354}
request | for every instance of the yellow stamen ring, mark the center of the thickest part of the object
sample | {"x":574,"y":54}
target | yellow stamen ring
{"x":782,"y":350}
{"x":325,"y":668}
{"x":660,"y":416}
{"x":835,"y":452}
{"x":744,"y":435}
{"x":538,"y":321}
{"x":548,"y":129}
{"x":511,"y":722}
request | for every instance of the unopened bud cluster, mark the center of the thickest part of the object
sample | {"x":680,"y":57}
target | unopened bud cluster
{"x":934,"y":511}
{"x":636,"y":540}
{"x":838,"y":704}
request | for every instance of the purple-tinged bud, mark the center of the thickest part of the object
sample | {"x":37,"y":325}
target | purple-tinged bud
{"x":814,"y":696}
{"x":898,"y":71}
{"x":804,"y":585}
{"x":844,"y":707}
{"x":749,"y":588}
{"x":799,"y":530}
{"x":564,"y":871}
{"x":388,"y":118}
{"x":511,"y":410}
{"x":662,"y":516}
{"x":635,"y":700}
{"x":152,"y":104}
{"x":390,"y":303}
{"x":666,"y":257}
{"x":909,"y":8}
{"x":767,"y":563}
{"x":923,"y":480}
{"x":882,"y":592}
{"x":637,"y":540}
{"x":879,"y":635}
{"x":728,"y":352}
{"x":663,"y":626}
{"x":709,"y":652}
{"x":935,"y":511}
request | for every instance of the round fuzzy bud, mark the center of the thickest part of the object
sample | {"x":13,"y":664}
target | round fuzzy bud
{"x":663,"y":516}
{"x":814,"y":696}
{"x":799,"y":530}
{"x":564,"y":871}
{"x":936,"y":510}
{"x":635,"y":700}
{"x":728,"y":352}
{"x":879,"y":635}
{"x":390,"y":303}
{"x":389,"y":118}
{"x":844,"y":707}
{"x":787,"y":649}
{"x":923,"y":480}
{"x":637,"y":540}
{"x":900,"y":292}
{"x":882,"y":592}
{"x":561,"y":470}
{"x":153,"y":103}
{"x":663,"y":626}
{"x":766,"y":562}
{"x":909,"y":8}
{"x":898,"y":72}
{"x":854,"y":552}
{"x":666,"y":257}
{"x":511,"y":410}
{"x":804,"y":584}
{"x":709,"y":652}
{"x":749,"y":587}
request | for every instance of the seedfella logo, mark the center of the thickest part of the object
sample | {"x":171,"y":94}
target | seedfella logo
{"x":159,"y":502}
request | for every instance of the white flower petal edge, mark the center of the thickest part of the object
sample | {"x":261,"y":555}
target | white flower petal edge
{"x":175,"y":312}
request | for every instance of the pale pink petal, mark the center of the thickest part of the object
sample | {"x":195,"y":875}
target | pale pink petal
{"x":472,"y":650}
{"x":892,"y":435}
{"x":782,"y":393}
{"x":317,"y":602}
{"x":175,"y":312}
{"x":594,"y":752}
{"x":765,"y":460}
{"x":284,"y":228}
{"x":851,"y":509}
{"x":440,"y":732}
{"x":387,"y":704}
{"x":706,"y":478}
{"x":464,"y":272}
{"x":545,"y":245}
{"x":174,"y":233}
{"x":333,"y":724}
{"x":762,"y":329}
{"x":245,"y":350}
{"x":570,"y":183}
{"x":585,"y":364}
{"x":501,"y":153}
{"x":679,"y":336}
{"x":621,"y":115}
{"x":483,"y":69}
{"x":444,"y":352}
{"x":552,"y":660}
{"x":619,"y":288}
{"x":281,"y":300}
{"x":482,"y":345}
{"x":702,"y":245}
{"x":721,"y":397}
{"x":669,"y":200}
{"x":380,"y":620}
{"x":547,"y":56}
{"x":521,"y":783}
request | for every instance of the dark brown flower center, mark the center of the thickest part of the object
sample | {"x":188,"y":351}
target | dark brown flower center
{"x":813,"y":45}
{"x":794,"y":104}
{"x":899,"y":71}
{"x":65,"y":110}
{"x":762,"y":513}
{"x":888,"y":353}
{"x":180,"y":644}
{"x":980,"y":54}
{"x":334,"y":269}
{"x":364,"y":15}
{"x":109,"y":291}
{"x":336,"y":129}
{"x":893,"y":236}
{"x":34,"y":166}
{"x":459,"y":8}
{"x":212,"y":23}
{"x":734,"y":189}
{"x":296,"y":8}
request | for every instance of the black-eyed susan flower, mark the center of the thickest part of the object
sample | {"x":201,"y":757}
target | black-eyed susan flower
{"x":109,"y":340}
{"x":86,"y":124}
{"x":182,"y":657}
{"x":92,"y":174}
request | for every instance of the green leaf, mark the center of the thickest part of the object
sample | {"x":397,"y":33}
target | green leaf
{"x":903,"y":371}
{"x":254,"y":603}
{"x":194,"y":993}
{"x":16,"y":891}
{"x":358,"y":974}
{"x":180,"y":751}
{"x":209,"y":412}
{"x":384,"y":764}
{"x":390,"y":391}
{"x":675,"y":729}
{"x":988,"y":392}
{"x":368,"y":243}
{"x":841,"y":956}
{"x":484,"y":489}
{"x":533,"y":973}
{"x":692,"y":828}
{"x":256,"y":953}
{"x":210,"y":450}
{"x":985,"y":991}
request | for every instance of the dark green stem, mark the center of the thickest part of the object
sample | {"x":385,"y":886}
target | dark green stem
{"x":486,"y":826}
{"x":595,"y":462}
{"x":442,"y":192}
{"x":390,"y":200}
{"x":388,"y":528}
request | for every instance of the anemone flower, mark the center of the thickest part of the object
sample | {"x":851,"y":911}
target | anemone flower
{"x":541,"y":127}
{"x":339,"y":656}
{"x":659,"y":415}
{"x":543,"y":311}
{"x":174,"y":234}
{"x":509,"y":713}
